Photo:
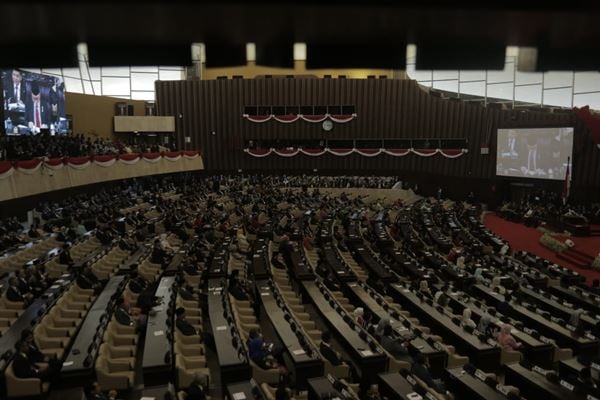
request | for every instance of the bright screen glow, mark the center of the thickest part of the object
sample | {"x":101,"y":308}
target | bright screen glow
{"x":33,"y":103}
{"x":541,"y":153}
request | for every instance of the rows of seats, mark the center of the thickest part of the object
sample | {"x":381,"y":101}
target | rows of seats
{"x":9,"y":312}
{"x":190,"y":353}
{"x":108,"y":264}
{"x":56,"y":330}
{"x":116,"y":357}
{"x":294,"y":302}
{"x":37,"y":249}
{"x":79,"y":251}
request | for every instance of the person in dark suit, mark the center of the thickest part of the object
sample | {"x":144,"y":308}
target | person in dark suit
{"x":327,"y":351}
{"x":195,"y":391}
{"x":286,"y":249}
{"x":33,"y":352}
{"x":22,"y":282}
{"x":13,"y":293}
{"x":38,"y":110}
{"x":137,"y":284}
{"x":420,"y":369}
{"x":181,"y":323}
{"x":122,"y":315}
{"x":65,"y":256}
{"x":94,"y":392}
{"x":15,"y":89}
{"x":23,"y":366}
{"x":235,"y":287}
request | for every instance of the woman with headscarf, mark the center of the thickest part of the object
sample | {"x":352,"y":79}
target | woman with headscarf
{"x":497,"y":285}
{"x":506,"y":340}
{"x":359,"y":313}
{"x":466,"y":318}
{"x":478,"y":275}
{"x":575,"y":317}
{"x":484,"y":325}
{"x":383,"y":322}
{"x":424,"y":288}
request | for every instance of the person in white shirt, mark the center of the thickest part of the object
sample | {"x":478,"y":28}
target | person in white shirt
{"x":466,"y":319}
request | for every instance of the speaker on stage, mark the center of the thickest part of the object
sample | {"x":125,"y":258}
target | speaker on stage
{"x":130,"y":109}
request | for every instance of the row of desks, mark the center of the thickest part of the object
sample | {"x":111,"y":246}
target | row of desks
{"x":370,"y":362}
{"x":563,"y":336}
{"x":157,"y":360}
{"x":585,"y":301}
{"x":304,"y":358}
{"x":438,"y":359}
{"x":482,"y":354}
{"x":79,"y":362}
{"x":31,"y":315}
{"x":366,"y":259}
{"x":556,"y":308}
{"x":233,"y":365}
{"x":340,"y":269}
{"x":536,"y":351}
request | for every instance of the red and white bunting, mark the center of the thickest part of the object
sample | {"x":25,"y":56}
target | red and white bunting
{"x":291,"y":152}
{"x":290,"y":118}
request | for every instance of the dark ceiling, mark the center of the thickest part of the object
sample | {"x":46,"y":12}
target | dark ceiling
{"x":570,"y":25}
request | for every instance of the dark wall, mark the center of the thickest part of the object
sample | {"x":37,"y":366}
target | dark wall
{"x":386,"y":108}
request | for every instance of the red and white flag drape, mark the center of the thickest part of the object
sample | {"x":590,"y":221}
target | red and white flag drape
{"x":288,"y":119}
{"x":292,"y":151}
{"x":30,"y":167}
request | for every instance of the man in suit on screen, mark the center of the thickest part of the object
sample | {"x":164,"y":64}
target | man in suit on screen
{"x":38,"y":110}
{"x":15,"y":91}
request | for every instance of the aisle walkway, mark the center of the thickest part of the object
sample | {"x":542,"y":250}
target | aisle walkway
{"x":522,"y":237}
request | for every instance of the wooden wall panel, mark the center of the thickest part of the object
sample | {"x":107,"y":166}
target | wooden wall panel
{"x":386,"y":108}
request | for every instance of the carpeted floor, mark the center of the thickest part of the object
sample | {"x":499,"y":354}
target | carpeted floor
{"x":522,"y":237}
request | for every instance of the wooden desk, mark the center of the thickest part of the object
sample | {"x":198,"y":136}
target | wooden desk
{"x":31,"y":315}
{"x":305,"y":365}
{"x":437,"y":359}
{"x":79,"y":363}
{"x":535,"y":386}
{"x":233,"y":366}
{"x":366,"y":259}
{"x":535,"y":351}
{"x":394,"y":386}
{"x":370,"y":362}
{"x":322,"y":389}
{"x":467,"y":386}
{"x":562,"y":336}
{"x":585,"y":302}
{"x":157,"y":360}
{"x":244,"y":390}
{"x":481,"y":353}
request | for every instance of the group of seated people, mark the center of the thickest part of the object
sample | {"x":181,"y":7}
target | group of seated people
{"x":541,"y":206}
{"x":28,"y":147}
{"x":102,"y":211}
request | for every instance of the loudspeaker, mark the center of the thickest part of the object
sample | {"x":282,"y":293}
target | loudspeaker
{"x":118,"y":54}
{"x":357,"y":55}
{"x":225,"y":55}
{"x":455,"y":53}
{"x":130,"y":109}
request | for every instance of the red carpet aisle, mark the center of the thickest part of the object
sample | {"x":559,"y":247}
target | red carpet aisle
{"x":522,"y":237}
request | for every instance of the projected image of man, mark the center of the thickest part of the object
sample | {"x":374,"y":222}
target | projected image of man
{"x":38,"y":112}
{"x":15,"y":91}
